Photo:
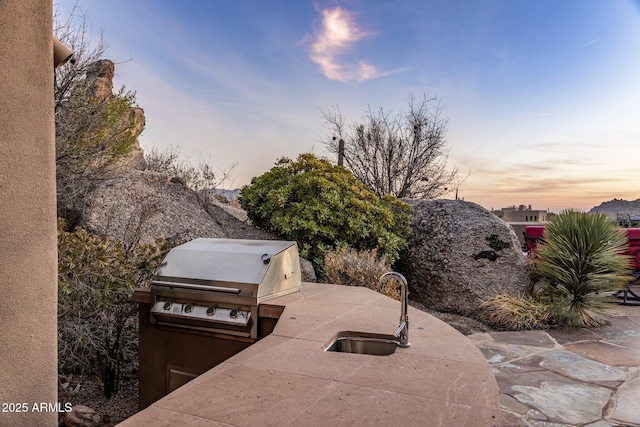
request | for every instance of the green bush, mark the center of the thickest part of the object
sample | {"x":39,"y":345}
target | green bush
{"x":580,"y":258}
{"x":97,"y":328}
{"x":322,"y":206}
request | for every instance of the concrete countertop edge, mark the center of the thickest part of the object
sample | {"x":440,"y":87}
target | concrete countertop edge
{"x":310,"y":318}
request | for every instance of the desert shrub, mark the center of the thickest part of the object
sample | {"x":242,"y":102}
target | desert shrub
{"x":91,"y":136}
{"x":322,"y":206}
{"x":96,"y":317}
{"x":199,"y":176}
{"x":515,"y":313}
{"x":581,"y":257}
{"x":350,"y":267}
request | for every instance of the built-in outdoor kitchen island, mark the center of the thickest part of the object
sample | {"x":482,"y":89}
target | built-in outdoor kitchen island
{"x":287,"y":377}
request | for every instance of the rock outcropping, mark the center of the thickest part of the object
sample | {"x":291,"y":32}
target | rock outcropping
{"x":460,"y":254}
{"x":99,"y":79}
{"x":144,"y":206}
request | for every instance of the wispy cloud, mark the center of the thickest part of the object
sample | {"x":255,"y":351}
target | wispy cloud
{"x":337,"y":34}
{"x":585,"y":45}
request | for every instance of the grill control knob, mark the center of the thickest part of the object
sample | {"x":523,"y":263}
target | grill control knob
{"x":211,"y":311}
{"x":167,"y":305}
{"x":234,"y":313}
{"x":188,"y":308}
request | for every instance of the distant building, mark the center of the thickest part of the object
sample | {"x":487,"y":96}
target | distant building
{"x":628,"y":221}
{"x":521,"y":216}
{"x":521,"y":213}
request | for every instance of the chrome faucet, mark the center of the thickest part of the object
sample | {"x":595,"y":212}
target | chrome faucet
{"x":403,"y":329}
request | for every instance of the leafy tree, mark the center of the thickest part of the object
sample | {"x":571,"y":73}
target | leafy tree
{"x":582,"y":256}
{"x":322,"y":206}
{"x":403,"y":154}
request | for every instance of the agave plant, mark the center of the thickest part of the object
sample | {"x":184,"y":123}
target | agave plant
{"x":580,"y":258}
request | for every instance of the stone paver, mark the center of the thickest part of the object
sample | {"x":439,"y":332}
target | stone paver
{"x":627,"y":402}
{"x":567,"y":363}
{"x":578,"y":377}
{"x":565,"y":403}
{"x":622,"y":354}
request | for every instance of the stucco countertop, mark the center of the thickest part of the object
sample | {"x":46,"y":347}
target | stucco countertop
{"x":288,"y":379}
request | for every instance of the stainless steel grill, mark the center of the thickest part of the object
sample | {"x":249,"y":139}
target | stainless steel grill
{"x":216,"y":285}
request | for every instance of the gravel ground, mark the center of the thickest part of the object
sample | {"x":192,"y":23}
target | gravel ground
{"x":87,"y":390}
{"x":464,"y":325}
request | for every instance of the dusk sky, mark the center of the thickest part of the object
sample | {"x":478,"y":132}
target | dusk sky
{"x":542,"y":96}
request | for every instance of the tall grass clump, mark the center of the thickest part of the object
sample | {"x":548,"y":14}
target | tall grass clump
{"x":580,"y":258}
{"x":515,"y":313}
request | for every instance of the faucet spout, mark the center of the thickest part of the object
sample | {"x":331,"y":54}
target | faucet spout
{"x":403,"y":328}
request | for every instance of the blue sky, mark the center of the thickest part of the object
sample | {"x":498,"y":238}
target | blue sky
{"x":541,"y":95}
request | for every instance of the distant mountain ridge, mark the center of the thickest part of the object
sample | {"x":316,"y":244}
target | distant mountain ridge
{"x":228,"y":194}
{"x":614,"y":208}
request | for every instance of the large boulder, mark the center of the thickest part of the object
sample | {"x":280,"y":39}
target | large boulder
{"x":99,"y":79}
{"x":460,"y":254}
{"x":144,"y":206}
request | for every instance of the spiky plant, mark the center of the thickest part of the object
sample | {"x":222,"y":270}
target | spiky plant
{"x":581,"y":257}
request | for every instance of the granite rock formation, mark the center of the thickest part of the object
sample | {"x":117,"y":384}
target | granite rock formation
{"x":145,"y":206}
{"x":99,"y":78}
{"x":460,"y":254}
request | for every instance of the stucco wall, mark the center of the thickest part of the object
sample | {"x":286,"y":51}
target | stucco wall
{"x":28,"y":356}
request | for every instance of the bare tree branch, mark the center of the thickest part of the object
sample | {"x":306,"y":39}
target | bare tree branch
{"x":400,"y":154}
{"x":201,"y":178}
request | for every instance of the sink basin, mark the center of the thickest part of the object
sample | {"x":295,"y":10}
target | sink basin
{"x":362,"y":343}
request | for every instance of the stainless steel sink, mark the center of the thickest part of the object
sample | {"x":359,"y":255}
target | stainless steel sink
{"x":362,"y":343}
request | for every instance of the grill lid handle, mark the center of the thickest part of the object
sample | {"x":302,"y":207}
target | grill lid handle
{"x":195,"y":286}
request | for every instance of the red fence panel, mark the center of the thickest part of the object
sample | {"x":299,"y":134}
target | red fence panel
{"x":535,"y":233}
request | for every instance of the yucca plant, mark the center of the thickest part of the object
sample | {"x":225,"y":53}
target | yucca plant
{"x":581,"y":257}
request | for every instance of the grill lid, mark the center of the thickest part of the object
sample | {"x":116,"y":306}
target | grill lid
{"x":261,"y":268}
{"x":223,"y":260}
